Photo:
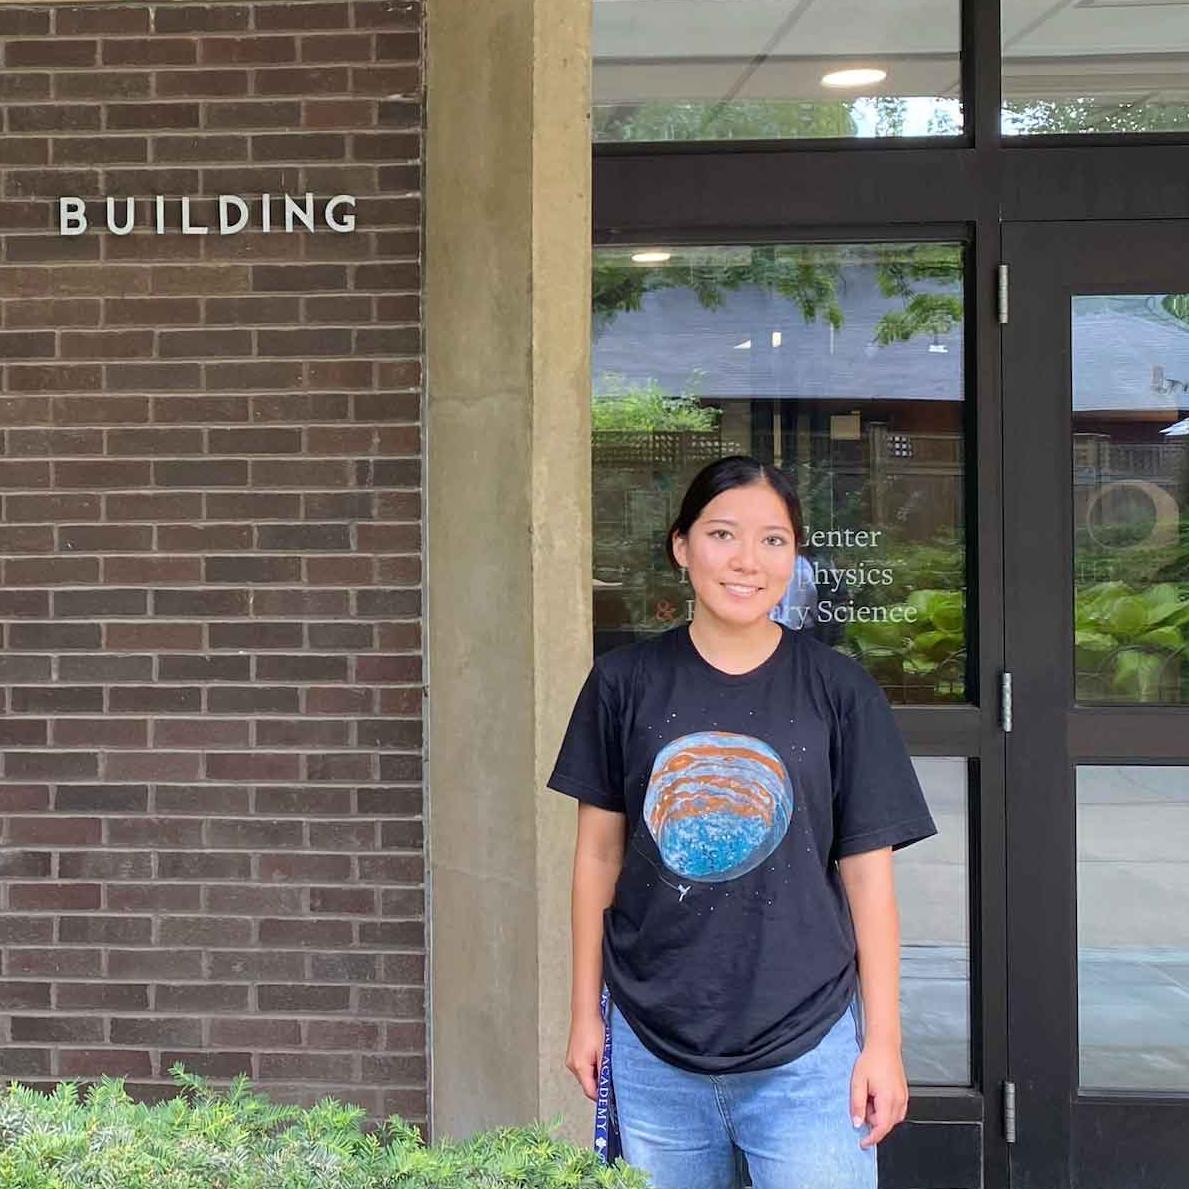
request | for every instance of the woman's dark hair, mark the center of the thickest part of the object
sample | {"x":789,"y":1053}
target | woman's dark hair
{"x":736,"y":470}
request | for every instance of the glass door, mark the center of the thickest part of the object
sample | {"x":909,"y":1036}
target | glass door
{"x":1096,"y":465}
{"x":848,"y":365}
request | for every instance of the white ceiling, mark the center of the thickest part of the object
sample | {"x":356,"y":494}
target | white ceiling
{"x":705,"y":49}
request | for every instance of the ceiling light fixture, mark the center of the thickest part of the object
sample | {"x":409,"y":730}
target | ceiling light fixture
{"x":653,"y":257}
{"x":864,"y":77}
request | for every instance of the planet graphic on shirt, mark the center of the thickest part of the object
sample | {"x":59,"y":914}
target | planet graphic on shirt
{"x":717,"y":804}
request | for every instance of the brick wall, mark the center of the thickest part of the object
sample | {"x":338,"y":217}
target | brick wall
{"x":210,"y":553}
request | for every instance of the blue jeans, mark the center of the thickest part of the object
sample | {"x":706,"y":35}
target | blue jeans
{"x":792,"y":1123}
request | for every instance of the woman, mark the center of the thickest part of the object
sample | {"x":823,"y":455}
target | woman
{"x":741,"y":790}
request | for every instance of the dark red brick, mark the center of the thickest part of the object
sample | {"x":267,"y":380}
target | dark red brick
{"x":24,"y":1062}
{"x":194,"y":664}
{"x":304,"y":868}
{"x":213,"y":84}
{"x":21,"y":996}
{"x":205,"y":997}
{"x":24,"y":864}
{"x":156,"y":1031}
{"x":93,"y":1063}
{"x":90,"y":18}
{"x":106,"y":995}
{"x":303,"y":999}
{"x":25,"y":930}
{"x":106,"y":865}
{"x":105,"y":930}
{"x":24,"y":22}
{"x":202,"y":18}
{"x":302,"y":16}
{"x":255,"y":1032}
{"x":204,"y":865}
{"x":53,"y":963}
{"x":57,"y":51}
{"x":103,"y":798}
{"x":247,"y":51}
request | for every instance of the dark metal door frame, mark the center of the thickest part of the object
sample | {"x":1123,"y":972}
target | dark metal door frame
{"x":960,"y":188}
{"x":1066,"y":1138}
{"x":953,"y":1138}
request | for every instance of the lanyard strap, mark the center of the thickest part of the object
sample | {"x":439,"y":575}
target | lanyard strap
{"x":606,"y":1125}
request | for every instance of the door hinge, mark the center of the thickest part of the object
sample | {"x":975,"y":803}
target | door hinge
{"x":1005,"y":700}
{"x":1009,"y":1112}
{"x":1001,"y":294}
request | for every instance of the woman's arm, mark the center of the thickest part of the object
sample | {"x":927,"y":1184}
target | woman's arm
{"x":598,"y":859}
{"x":879,"y":1089}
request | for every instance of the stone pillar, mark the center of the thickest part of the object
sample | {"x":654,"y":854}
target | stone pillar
{"x":509,"y":615}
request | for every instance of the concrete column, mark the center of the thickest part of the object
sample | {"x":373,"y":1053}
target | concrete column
{"x":509,"y":615}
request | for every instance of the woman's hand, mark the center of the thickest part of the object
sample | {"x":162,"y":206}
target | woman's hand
{"x":585,"y":1052}
{"x":878,"y":1092}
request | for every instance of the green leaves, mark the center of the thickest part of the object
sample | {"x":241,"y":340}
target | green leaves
{"x":647,"y":408}
{"x":1130,"y":644}
{"x":923,"y":313}
{"x":739,"y":119}
{"x":237,"y":1139}
{"x":1177,"y":304}
{"x":809,"y":276}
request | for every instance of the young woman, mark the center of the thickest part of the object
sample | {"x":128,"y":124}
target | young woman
{"x":741,"y":788}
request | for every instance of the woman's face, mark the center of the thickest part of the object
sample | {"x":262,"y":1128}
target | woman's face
{"x":740,"y":553}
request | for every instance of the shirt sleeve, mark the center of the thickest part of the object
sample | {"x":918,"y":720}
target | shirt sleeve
{"x":878,"y":800}
{"x":590,"y":763}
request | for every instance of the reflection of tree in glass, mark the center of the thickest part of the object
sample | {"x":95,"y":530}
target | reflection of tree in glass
{"x":805,"y":274}
{"x":942,"y":123}
{"x":890,"y":114}
{"x":923,"y":313}
{"x":923,"y":657}
{"x":648,"y":408}
{"x":778,"y":119}
{"x":1130,"y":642}
{"x":747,"y":119}
{"x":1094,"y":115}
{"x":919,"y":655}
{"x":1177,"y":304}
{"x":1131,"y":613}
{"x":809,"y":275}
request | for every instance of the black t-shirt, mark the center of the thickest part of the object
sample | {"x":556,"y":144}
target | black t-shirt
{"x":728,"y":945}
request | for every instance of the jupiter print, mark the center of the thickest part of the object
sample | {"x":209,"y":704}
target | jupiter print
{"x":717,"y":804}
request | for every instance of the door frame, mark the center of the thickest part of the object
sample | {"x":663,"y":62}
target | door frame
{"x":953,"y":1137}
{"x":1066,"y":1137}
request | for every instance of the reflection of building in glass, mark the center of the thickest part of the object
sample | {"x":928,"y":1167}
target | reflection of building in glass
{"x":1130,"y":487}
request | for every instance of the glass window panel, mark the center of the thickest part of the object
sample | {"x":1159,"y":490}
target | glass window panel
{"x":1131,"y":488}
{"x":932,"y":881}
{"x":841,"y":364}
{"x":1095,"y":66}
{"x":754,"y":69}
{"x":1133,"y":927}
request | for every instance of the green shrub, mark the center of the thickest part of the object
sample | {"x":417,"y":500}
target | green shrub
{"x":1130,"y":642}
{"x":205,"y":1139}
{"x":643,"y":408}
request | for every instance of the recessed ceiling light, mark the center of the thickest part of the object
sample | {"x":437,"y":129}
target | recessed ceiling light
{"x":854,"y":78}
{"x":651,"y":257}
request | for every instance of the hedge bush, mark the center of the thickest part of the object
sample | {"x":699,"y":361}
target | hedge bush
{"x":238,"y":1139}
